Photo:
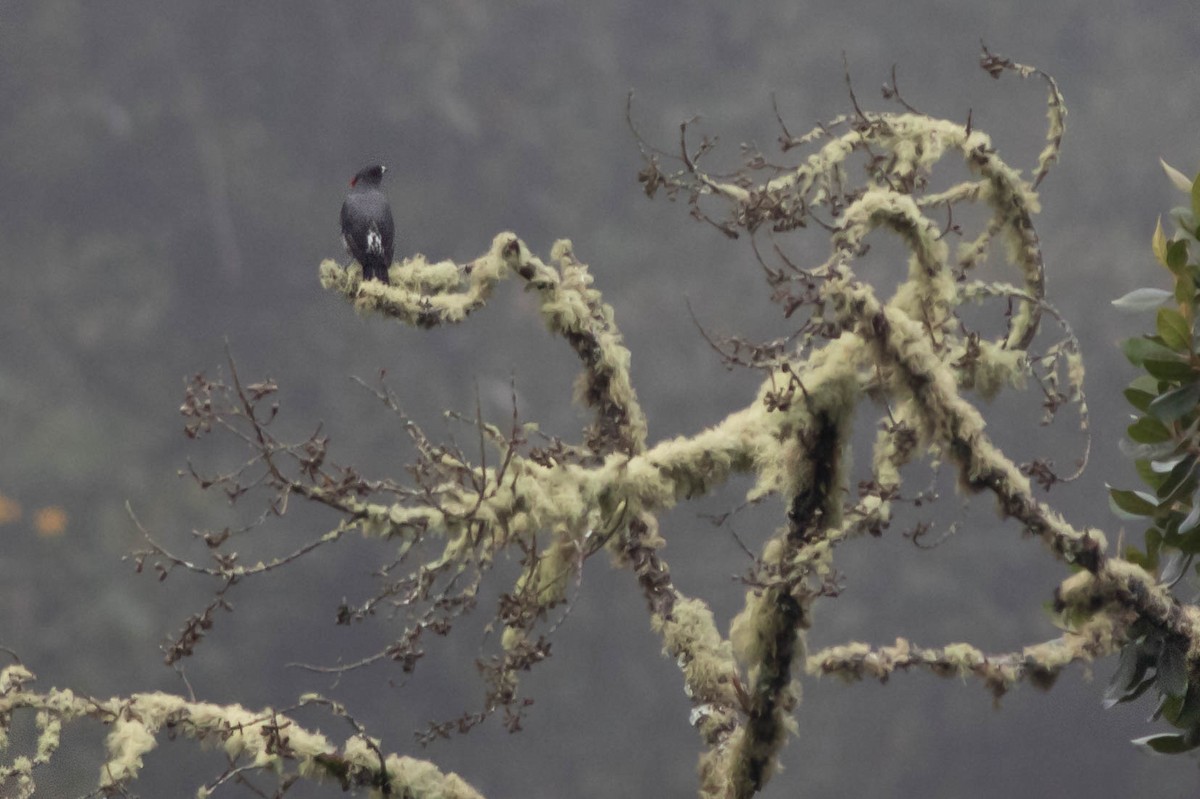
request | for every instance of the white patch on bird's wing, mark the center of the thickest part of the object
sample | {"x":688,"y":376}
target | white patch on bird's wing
{"x":374,"y":241}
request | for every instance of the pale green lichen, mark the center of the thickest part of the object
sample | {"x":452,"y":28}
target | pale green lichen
{"x":992,"y":368}
{"x":13,"y":678}
{"x":422,"y":780}
{"x":691,"y":637}
{"x":745,"y":632}
{"x":128,"y":741}
{"x":245,"y":736}
{"x":546,"y":584}
{"x":423,"y":293}
{"x":1040,"y":663}
{"x":49,"y":735}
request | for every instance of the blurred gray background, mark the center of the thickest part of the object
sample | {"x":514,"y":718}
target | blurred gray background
{"x":171,"y":178}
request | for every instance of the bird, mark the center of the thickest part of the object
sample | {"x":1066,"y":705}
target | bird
{"x":368,"y":230}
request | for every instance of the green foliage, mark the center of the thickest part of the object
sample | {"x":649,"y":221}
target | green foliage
{"x":1155,"y":660}
{"x":1164,"y":440}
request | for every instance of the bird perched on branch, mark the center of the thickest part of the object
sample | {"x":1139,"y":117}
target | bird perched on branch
{"x":367,"y":227}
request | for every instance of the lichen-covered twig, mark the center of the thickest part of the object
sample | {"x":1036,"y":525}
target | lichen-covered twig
{"x":954,"y":426}
{"x":265,"y":742}
{"x":1039,"y":663}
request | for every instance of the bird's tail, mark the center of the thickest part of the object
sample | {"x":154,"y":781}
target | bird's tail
{"x":376,"y":272}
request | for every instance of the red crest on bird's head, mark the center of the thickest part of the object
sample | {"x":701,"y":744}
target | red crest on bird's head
{"x":371,"y":175}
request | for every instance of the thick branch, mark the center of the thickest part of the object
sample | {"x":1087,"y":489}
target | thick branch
{"x":771,"y":624}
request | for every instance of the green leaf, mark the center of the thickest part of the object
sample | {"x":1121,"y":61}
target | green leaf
{"x":1181,"y":215}
{"x":1131,"y":669}
{"x":1176,"y":403}
{"x":1154,"y":545}
{"x":1195,"y":192}
{"x":1142,"y":299}
{"x":1177,"y":178}
{"x":1165,"y":465}
{"x":1172,"y":669}
{"x":1138,"y":398}
{"x":1179,"y":492}
{"x":1149,"y":559}
{"x":1169,"y":370}
{"x":1148,"y":430}
{"x":1174,"y":330}
{"x":1133,"y":450}
{"x":1168,"y":707}
{"x":1158,"y":242}
{"x":1131,"y":503}
{"x":1177,"y":254}
{"x":1191,"y":521}
{"x":1188,"y":544}
{"x":1137,"y":558}
{"x":1174,"y":568}
{"x":1189,"y":714}
{"x":1144,"y":383}
{"x":1166,"y":743}
{"x":1177,"y":481}
{"x":1140,"y":349}
{"x":1130,"y":694}
{"x":1185,"y":288}
{"x":1146,"y":472}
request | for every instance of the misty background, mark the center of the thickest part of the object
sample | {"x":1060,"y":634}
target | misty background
{"x":172,"y":174}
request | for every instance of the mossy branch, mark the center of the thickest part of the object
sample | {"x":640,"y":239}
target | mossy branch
{"x":263,"y":741}
{"x":428,"y":295}
{"x":1039,"y":664}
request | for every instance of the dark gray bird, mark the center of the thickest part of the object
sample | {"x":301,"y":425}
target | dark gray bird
{"x":367,"y":227}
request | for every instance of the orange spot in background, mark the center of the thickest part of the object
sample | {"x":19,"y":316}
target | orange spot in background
{"x":10,"y":510}
{"x":50,"y":521}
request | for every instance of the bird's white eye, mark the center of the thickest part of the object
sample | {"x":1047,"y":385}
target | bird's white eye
{"x":382,"y":169}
